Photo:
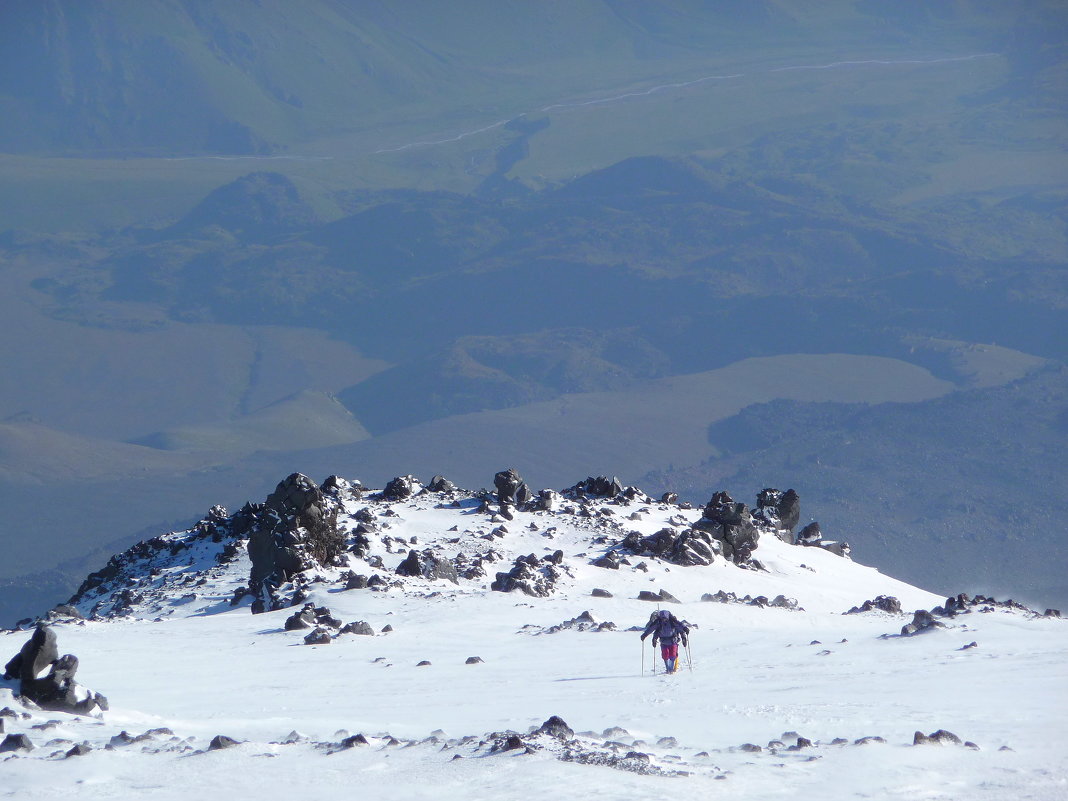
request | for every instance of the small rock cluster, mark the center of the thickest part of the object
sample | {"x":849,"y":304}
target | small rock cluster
{"x":881,"y":603}
{"x":583,"y":622}
{"x":531,"y":576}
{"x":778,"y":602}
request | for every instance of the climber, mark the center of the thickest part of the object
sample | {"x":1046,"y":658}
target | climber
{"x":669,"y":630}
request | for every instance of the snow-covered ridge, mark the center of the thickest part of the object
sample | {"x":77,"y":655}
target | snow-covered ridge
{"x":423,"y":641}
{"x":409,"y":537}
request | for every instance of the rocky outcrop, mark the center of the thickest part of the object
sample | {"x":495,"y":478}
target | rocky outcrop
{"x":732,"y":525}
{"x":57,"y":691}
{"x":294,"y":530}
{"x":778,"y":510}
{"x":689,"y":547}
{"x":529,"y":575}
{"x":512,"y":490}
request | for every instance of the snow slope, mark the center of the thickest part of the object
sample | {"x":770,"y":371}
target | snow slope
{"x":185,"y":660}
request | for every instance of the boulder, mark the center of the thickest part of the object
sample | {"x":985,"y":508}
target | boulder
{"x":508,"y":483}
{"x":922,"y":621}
{"x":318,"y":637}
{"x":428,"y":565}
{"x":546,"y":501}
{"x":599,"y":593}
{"x":609,"y":560}
{"x":304,"y":619}
{"x":556,"y":727}
{"x":57,"y":691}
{"x":401,"y":488}
{"x":361,"y":627}
{"x":810,"y":534}
{"x":940,"y":737}
{"x":440,"y":484}
{"x":16,"y":742}
{"x":220,"y":741}
{"x":596,"y":487}
{"x":36,"y":654}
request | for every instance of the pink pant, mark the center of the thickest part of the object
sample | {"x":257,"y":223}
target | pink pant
{"x":669,"y":651}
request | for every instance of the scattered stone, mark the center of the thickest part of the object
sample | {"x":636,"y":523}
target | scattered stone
{"x":610,"y":561}
{"x":355,"y":582}
{"x":667,"y":742}
{"x":615,"y":731}
{"x":361,"y":627}
{"x":750,"y":748}
{"x":424,"y":663}
{"x":940,"y":737}
{"x":972,"y":644}
{"x":882,"y":603}
{"x":221,"y":741}
{"x":867,"y":740}
{"x":473,"y":660}
{"x":599,"y":593}
{"x":354,"y":740}
{"x":80,"y":749}
{"x":386,"y":629}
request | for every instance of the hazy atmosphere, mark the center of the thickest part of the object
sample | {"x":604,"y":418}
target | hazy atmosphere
{"x":696,"y":245}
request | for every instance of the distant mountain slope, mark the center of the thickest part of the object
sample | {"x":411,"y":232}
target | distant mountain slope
{"x":961,"y":488}
{"x":248,"y":77}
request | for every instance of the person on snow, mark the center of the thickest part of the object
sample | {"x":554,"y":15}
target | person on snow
{"x":669,"y":630}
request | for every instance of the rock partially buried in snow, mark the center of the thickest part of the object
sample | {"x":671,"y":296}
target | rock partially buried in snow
{"x":474,"y":660}
{"x":16,"y":742}
{"x":318,"y":637}
{"x":922,"y":621}
{"x":221,"y":741}
{"x":940,"y":737}
{"x":57,"y":691}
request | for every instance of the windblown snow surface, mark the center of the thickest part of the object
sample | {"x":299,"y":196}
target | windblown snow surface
{"x":187,"y":662}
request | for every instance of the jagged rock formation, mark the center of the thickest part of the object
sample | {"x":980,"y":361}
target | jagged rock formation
{"x":530,"y":576}
{"x":883,"y":603}
{"x":56,"y":691}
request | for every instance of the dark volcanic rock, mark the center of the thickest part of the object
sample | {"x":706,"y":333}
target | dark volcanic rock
{"x":220,"y":741}
{"x":304,"y":619}
{"x":440,"y":484}
{"x":922,"y":621}
{"x":56,"y":691}
{"x":16,"y":742}
{"x":295,"y":529}
{"x":609,"y":560}
{"x":599,"y":593}
{"x":361,"y":627}
{"x":511,"y":489}
{"x":401,"y":488}
{"x":318,"y":637}
{"x":36,"y":654}
{"x":556,"y":727}
{"x":427,"y":565}
{"x":529,"y":575}
{"x":884,"y":603}
{"x":810,"y":534}
{"x":599,"y":487}
{"x":940,"y":737}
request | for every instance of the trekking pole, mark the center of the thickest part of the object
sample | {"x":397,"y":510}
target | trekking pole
{"x":689,"y":656}
{"x":643,"y":657}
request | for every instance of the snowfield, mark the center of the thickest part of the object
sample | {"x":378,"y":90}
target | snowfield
{"x":188,"y":663}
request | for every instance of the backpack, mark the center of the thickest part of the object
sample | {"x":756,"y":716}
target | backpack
{"x":667,"y":628}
